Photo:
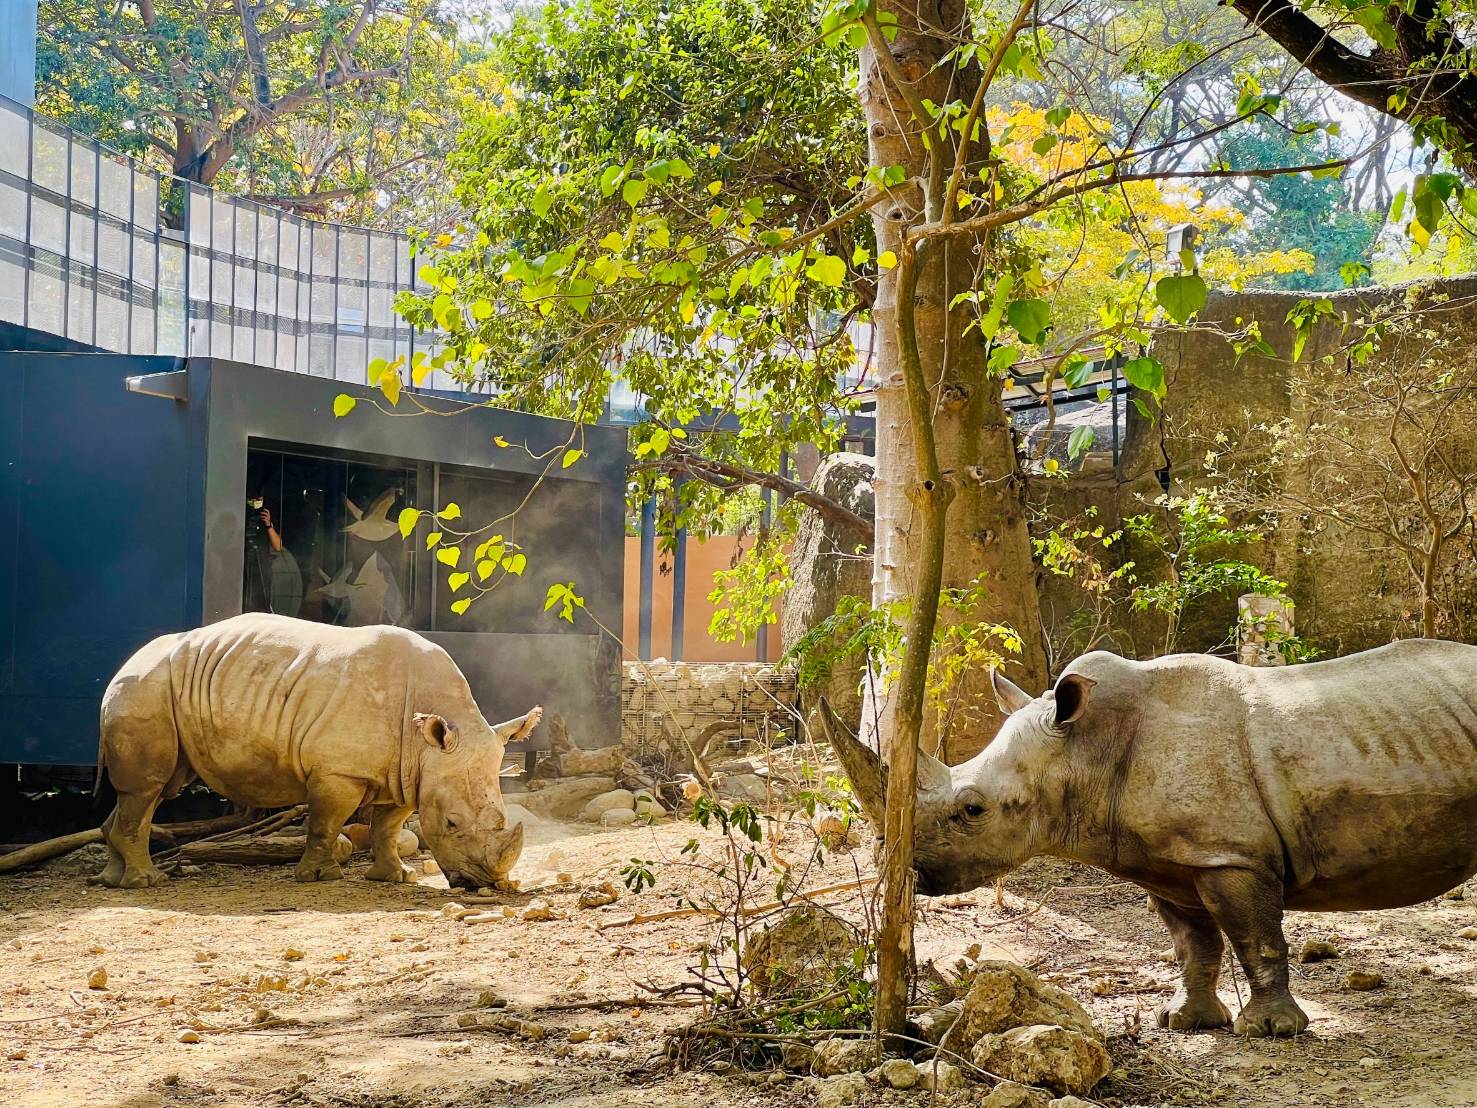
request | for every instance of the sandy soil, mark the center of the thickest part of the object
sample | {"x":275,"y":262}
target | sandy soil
{"x":346,"y":993}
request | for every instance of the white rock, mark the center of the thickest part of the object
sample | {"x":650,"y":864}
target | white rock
{"x":840,"y":1091}
{"x":610,"y":801}
{"x":938,"y":1076}
{"x":618,"y":817}
{"x":899,"y":1073}
{"x":833,"y":1056}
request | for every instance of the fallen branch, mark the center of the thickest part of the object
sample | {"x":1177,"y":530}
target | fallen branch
{"x":274,"y":850}
{"x":751,"y":910}
{"x":37,"y":853}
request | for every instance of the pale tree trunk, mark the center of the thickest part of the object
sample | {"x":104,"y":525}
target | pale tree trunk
{"x":986,"y":521}
{"x":949,"y":500}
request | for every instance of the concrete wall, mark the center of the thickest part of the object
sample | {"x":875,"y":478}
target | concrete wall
{"x":1352,"y":589}
{"x":18,"y":51}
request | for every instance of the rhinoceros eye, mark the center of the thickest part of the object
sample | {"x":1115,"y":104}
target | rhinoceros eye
{"x":450,"y":824}
{"x":973,"y":811}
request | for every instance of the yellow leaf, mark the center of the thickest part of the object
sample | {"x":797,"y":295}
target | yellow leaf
{"x":460,"y":606}
{"x":420,"y":369}
{"x":1051,"y":465}
{"x":572,"y":456}
{"x":515,"y":563}
{"x":390,"y":386}
{"x":715,"y":187}
{"x":409,"y":517}
{"x":457,"y":580}
{"x":432,"y":539}
{"x":343,"y":404}
{"x":451,"y":511}
{"x":484,"y":569}
{"x":498,"y":440}
{"x":450,"y":555}
{"x":886,"y":260}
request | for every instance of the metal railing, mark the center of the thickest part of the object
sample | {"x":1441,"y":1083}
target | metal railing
{"x":98,"y":248}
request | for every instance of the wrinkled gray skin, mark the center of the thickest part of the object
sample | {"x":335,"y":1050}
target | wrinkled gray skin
{"x":271,"y":711}
{"x":1229,"y":793}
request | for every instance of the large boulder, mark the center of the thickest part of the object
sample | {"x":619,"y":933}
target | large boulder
{"x":825,"y":566}
{"x":1004,"y":995}
{"x":807,"y":951}
{"x":1045,"y":1054}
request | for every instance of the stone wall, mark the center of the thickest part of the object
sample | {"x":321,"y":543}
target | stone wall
{"x":1353,"y":589}
{"x":663,"y":703}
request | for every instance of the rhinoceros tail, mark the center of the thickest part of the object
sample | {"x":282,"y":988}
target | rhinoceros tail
{"x":102,"y":759}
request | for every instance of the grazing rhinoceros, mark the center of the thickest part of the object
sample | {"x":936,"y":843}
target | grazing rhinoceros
{"x":1228,"y":793}
{"x":271,"y":711}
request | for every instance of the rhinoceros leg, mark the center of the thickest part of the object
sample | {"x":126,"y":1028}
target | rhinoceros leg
{"x":126,"y":832}
{"x":384,"y":826}
{"x":1248,"y":907}
{"x":331,"y":801}
{"x":1198,"y":947}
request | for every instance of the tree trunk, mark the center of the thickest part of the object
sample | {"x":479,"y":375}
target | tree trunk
{"x":986,"y":522}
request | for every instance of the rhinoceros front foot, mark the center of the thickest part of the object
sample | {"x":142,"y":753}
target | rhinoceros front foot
{"x":397,"y":872}
{"x":311,"y":869}
{"x":117,"y":876}
{"x":1193,"y":1012}
{"x":1270,"y":1015}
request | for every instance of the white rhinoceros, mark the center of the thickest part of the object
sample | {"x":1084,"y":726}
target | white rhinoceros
{"x":1229,"y":793}
{"x":271,"y":711}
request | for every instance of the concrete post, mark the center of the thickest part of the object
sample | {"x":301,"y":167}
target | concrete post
{"x":1262,"y":623}
{"x":18,"y":51}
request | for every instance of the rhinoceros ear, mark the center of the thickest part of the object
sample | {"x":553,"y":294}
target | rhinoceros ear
{"x":1010,"y":696}
{"x":1071,"y":697}
{"x":436,"y":731}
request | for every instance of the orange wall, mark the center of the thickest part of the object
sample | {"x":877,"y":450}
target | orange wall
{"x":703,"y":560}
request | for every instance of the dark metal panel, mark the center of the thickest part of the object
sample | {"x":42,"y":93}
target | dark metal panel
{"x":93,"y":502}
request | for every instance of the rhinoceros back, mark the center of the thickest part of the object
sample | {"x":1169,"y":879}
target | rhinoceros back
{"x":1369,"y":758}
{"x":260,"y":702}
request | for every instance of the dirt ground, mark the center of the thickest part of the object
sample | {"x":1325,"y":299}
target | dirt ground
{"x":347,"y":993}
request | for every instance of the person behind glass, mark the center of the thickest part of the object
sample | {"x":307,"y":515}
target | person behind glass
{"x":263,"y":545}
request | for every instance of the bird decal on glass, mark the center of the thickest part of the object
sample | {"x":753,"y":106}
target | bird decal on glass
{"x":374,"y":525}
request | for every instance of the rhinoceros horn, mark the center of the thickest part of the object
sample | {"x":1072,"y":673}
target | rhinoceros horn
{"x":866,"y":771}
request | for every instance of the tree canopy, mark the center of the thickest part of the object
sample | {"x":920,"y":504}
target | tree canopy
{"x":330,"y":108}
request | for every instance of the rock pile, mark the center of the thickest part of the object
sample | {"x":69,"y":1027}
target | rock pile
{"x":1032,"y":1036}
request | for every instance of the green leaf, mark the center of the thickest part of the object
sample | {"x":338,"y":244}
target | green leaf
{"x":409,"y":517}
{"x":1030,"y":318}
{"x":460,"y":606}
{"x":542,"y":201}
{"x":1353,"y":272}
{"x":1077,"y":371}
{"x":343,"y":404}
{"x":1145,"y":373}
{"x":1002,"y":358}
{"x":457,"y":580}
{"x":1181,"y":295}
{"x":1044,"y":145}
{"x":481,"y":309}
{"x":570,"y":457}
{"x":608,"y":180}
{"x":634,"y":190}
{"x":828,"y":270}
{"x":1080,"y":441}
